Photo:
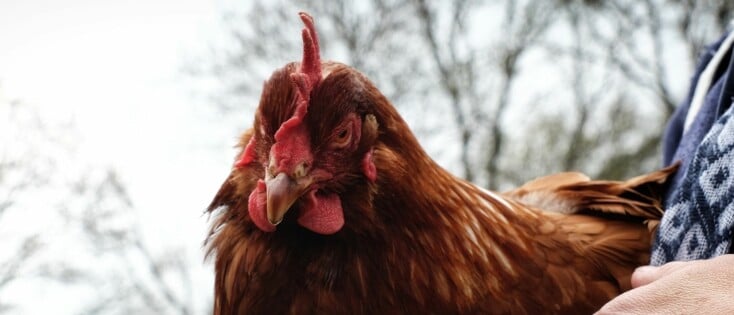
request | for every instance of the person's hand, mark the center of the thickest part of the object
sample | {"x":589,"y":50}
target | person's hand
{"x":692,"y":287}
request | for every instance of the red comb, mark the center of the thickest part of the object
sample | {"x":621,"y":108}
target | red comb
{"x":311,"y":64}
{"x":304,"y":80}
{"x":308,"y":75}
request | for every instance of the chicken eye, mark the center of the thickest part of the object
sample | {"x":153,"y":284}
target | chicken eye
{"x":342,"y":138}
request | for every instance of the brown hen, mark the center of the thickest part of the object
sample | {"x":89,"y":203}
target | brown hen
{"x":334,"y":208}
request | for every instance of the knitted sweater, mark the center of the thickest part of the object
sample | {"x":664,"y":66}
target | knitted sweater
{"x":699,"y":217}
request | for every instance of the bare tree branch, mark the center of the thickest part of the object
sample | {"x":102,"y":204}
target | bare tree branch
{"x":615,"y":52}
{"x":535,"y":20}
{"x":448,"y":81}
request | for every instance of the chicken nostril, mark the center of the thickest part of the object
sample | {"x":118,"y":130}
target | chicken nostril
{"x":300,"y":170}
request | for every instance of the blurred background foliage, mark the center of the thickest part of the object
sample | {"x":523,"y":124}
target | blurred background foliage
{"x":499,"y":91}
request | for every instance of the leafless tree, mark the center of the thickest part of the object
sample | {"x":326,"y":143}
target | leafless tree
{"x":523,"y":24}
{"x":16,"y":179}
{"x":613,"y":84}
{"x":140,"y":280}
{"x":86,"y":211}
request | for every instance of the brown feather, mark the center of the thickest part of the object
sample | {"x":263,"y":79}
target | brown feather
{"x":418,"y":240}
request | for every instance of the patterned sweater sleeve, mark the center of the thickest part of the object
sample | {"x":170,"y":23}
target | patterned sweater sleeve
{"x":699,"y":218}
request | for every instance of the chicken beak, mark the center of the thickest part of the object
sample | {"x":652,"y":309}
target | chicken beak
{"x":282,"y":192}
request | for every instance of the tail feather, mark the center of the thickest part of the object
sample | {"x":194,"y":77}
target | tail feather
{"x":569,"y":193}
{"x":610,"y":222}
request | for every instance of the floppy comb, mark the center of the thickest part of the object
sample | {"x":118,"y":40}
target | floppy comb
{"x":306,"y":78}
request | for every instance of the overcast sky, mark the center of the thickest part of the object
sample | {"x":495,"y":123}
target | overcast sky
{"x":114,"y":68}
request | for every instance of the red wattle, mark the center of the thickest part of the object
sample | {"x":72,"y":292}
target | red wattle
{"x":321,"y":214}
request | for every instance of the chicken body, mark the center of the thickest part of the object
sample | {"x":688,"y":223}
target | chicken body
{"x":320,"y":222}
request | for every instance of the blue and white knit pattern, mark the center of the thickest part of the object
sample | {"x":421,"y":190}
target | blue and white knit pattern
{"x":699,"y":220}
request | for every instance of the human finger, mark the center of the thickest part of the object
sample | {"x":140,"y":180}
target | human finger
{"x":647,"y":274}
